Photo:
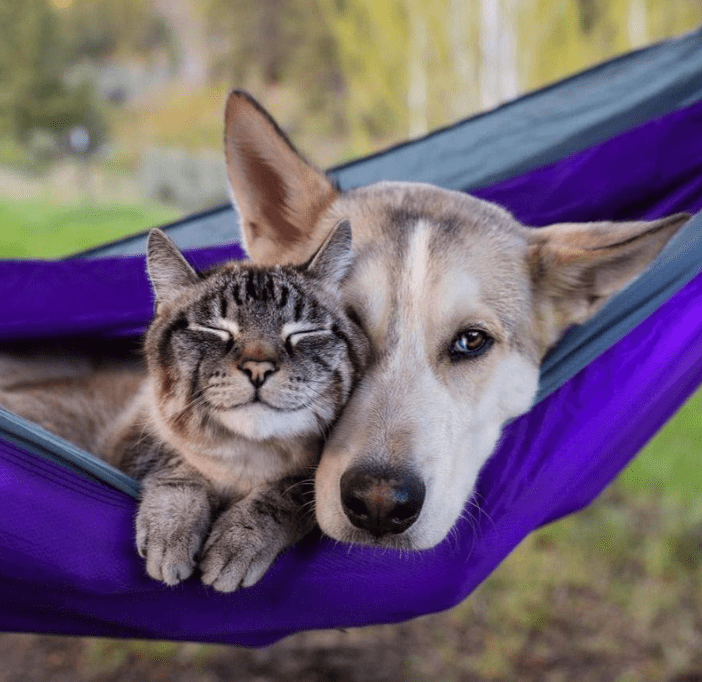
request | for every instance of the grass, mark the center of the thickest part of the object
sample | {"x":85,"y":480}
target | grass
{"x":669,"y":466}
{"x":41,"y":229}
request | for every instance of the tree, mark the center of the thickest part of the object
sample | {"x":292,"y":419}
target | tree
{"x":32,"y":60}
{"x":101,"y":29}
{"x":372,"y":39}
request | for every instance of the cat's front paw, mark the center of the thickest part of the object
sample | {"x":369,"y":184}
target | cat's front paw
{"x":241,"y":547}
{"x":171,"y":525}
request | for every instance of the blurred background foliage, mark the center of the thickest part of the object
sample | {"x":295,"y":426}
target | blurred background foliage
{"x":144,"y":78}
{"x":371,"y":71}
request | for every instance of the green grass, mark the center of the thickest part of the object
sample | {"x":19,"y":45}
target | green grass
{"x":669,"y":466}
{"x":40,"y":229}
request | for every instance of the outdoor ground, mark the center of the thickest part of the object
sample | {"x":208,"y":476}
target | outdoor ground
{"x":612,"y":593}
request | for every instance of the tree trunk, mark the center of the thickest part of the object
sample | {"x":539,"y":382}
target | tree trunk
{"x":498,"y":68}
{"x":186,"y":24}
{"x":417,"y":72}
{"x":637,"y":23}
{"x":465,"y":98}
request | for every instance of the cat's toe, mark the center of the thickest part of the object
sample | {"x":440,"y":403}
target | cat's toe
{"x":170,"y":531}
{"x":170,"y":551}
{"x":234,"y":559}
{"x":223,"y":578}
{"x":256,"y":570}
{"x":175,"y":571}
{"x":170,"y":561}
{"x":228,"y":574}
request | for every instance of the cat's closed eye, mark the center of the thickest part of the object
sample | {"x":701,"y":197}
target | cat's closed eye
{"x":221,"y":333}
{"x":292,"y":338}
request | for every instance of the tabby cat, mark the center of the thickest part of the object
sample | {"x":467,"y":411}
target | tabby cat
{"x":247,"y":368}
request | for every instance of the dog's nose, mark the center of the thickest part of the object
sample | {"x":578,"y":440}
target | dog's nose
{"x":381,"y":501}
{"x":257,"y":370}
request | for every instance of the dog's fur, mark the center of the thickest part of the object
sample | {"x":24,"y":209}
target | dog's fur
{"x":435,"y":272}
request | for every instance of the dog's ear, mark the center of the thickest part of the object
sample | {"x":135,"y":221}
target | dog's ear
{"x":278,"y":194}
{"x":576,"y":268}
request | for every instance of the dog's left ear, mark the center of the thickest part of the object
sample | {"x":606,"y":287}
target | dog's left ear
{"x":576,"y":268}
{"x":279,"y":194}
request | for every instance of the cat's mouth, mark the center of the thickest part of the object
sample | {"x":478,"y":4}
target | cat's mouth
{"x":224,"y":396}
{"x":260,"y":420}
{"x":256,"y":401}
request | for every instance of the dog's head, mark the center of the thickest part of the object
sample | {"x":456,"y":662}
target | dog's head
{"x":460,"y":303}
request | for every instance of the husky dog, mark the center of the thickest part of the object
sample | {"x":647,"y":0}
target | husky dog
{"x":460,"y":303}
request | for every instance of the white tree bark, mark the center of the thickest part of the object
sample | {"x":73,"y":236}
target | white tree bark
{"x":466,"y":97}
{"x":187,"y":27}
{"x":637,"y":23}
{"x":489,"y":53}
{"x":509,"y":81}
{"x":498,"y":67}
{"x":417,"y":97}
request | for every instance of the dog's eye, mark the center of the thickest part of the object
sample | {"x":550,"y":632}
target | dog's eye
{"x":470,"y":343}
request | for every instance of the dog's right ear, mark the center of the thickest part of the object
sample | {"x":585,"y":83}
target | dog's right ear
{"x":278,"y":194}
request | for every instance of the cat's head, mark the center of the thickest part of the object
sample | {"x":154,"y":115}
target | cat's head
{"x":264,"y":353}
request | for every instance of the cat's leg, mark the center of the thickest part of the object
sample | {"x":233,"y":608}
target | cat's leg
{"x":174,"y":516}
{"x":248,"y":536}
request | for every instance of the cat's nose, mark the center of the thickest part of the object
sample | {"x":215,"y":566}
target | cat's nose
{"x":257,"y":370}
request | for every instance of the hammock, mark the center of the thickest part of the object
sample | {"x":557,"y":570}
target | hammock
{"x":619,"y":141}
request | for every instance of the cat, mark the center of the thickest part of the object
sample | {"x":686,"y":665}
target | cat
{"x":247,"y":369}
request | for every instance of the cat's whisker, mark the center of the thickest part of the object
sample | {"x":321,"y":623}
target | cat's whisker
{"x":189,"y":406}
{"x":309,"y":507}
{"x":298,"y":484}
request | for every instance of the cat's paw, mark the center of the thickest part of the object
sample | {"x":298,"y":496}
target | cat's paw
{"x":240,"y":549}
{"x":171,"y":525}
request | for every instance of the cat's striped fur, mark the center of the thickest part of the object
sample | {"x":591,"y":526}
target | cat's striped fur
{"x":248,"y":367}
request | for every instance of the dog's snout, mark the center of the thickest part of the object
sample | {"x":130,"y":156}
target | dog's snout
{"x":381,"y":501}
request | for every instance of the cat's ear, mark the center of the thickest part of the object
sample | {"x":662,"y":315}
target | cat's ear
{"x":333,"y":259}
{"x":576,"y":268}
{"x":279,"y":195}
{"x":169,"y":272}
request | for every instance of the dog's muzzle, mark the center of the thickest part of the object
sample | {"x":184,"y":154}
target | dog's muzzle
{"x":381,"y":501}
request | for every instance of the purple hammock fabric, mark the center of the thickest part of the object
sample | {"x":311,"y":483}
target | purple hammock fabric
{"x":67,"y":556}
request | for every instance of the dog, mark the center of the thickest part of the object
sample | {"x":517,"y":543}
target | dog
{"x":460,"y":303}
